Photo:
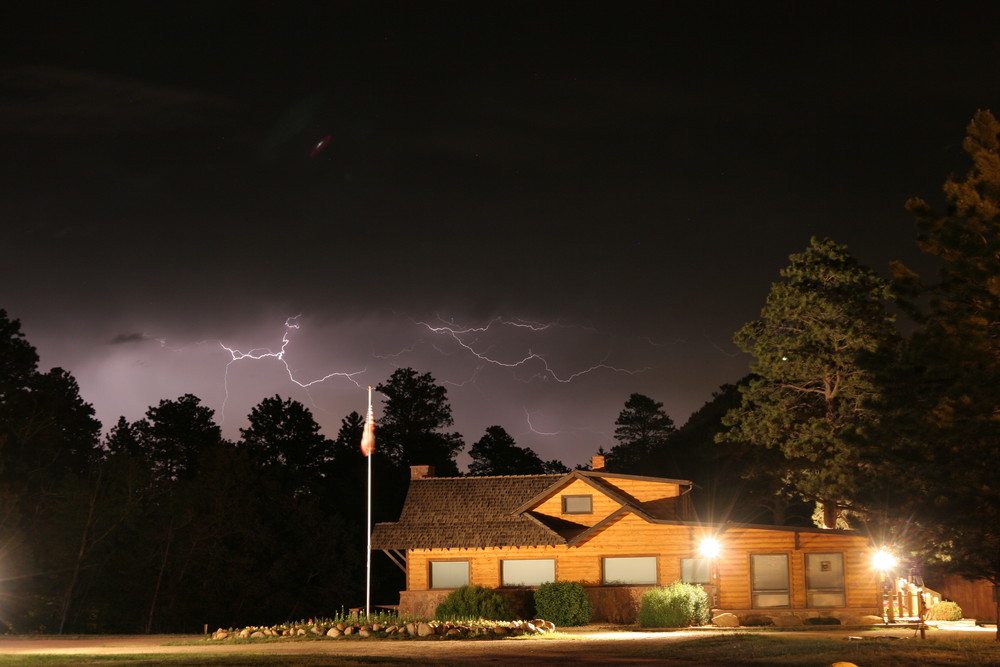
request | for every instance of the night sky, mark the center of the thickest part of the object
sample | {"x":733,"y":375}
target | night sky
{"x":547,"y":206}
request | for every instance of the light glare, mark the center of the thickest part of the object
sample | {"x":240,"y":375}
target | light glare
{"x":710,"y":547}
{"x":883,"y":560}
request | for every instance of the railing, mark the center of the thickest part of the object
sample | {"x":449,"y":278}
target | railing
{"x":903,"y":601}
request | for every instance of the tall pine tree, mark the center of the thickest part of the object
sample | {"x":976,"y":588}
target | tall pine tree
{"x":942,"y":396}
{"x":809,"y":394}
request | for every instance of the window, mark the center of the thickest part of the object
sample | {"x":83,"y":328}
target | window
{"x":769,"y":573}
{"x":695,"y":571}
{"x":449,"y":573}
{"x":825,"y":580}
{"x":533,"y":572}
{"x":630,"y":570}
{"x":577,"y":504}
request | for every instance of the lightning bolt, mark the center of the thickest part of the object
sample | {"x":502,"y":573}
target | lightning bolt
{"x":259,"y":353}
{"x":461,"y":335}
{"x":532,"y":429}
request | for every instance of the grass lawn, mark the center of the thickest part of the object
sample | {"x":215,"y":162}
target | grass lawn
{"x":739,"y":648}
{"x":778,"y":649}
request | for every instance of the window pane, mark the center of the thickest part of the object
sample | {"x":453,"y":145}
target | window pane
{"x":638,"y":570}
{"x":449,"y":574}
{"x":695,"y":571}
{"x":528,"y":572}
{"x":578,"y":504}
{"x":825,"y":580}
{"x":769,"y":573}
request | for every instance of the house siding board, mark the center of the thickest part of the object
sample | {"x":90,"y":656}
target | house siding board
{"x":644,"y":491}
{"x":602,"y":504}
{"x":860,"y":582}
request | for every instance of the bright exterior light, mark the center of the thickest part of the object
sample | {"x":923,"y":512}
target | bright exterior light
{"x":710,"y":547}
{"x":883,"y":560}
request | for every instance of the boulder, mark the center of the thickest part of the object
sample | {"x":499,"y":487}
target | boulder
{"x":365,"y":632}
{"x":349,"y":630}
{"x":726,"y":620}
{"x":257,"y":635}
{"x":424,"y":629}
{"x":786,"y":620}
{"x":333,"y":632}
{"x":244,"y":633}
{"x":543,"y":625}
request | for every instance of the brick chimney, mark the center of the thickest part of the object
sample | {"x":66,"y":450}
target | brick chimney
{"x":597,"y":462}
{"x":421,"y":472}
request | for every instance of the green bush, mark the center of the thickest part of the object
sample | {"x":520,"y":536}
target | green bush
{"x":474,"y":602}
{"x":674,"y":606}
{"x":944,"y":611}
{"x":563,"y":603}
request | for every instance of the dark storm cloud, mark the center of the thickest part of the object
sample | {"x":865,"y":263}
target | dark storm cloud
{"x":58,"y":102}
{"x":129,"y":338}
{"x":633,"y":176}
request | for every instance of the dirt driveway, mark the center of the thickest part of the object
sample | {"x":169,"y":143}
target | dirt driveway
{"x":587,"y":646}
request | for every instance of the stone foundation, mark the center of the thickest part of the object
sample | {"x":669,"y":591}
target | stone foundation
{"x":620,"y":605}
{"x":786,"y":618}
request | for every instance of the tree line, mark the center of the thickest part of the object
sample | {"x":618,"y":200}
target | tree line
{"x":164,"y":525}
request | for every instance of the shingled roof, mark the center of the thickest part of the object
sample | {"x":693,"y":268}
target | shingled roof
{"x":468,"y":512}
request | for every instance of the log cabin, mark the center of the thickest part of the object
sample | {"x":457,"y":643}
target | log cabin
{"x":618,"y":535}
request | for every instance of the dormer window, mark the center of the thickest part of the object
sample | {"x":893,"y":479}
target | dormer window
{"x":577,"y":504}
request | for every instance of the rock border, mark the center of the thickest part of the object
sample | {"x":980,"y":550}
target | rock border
{"x":409,"y":630}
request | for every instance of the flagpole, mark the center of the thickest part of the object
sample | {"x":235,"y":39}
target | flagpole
{"x":370,"y":442}
{"x":368,"y":556}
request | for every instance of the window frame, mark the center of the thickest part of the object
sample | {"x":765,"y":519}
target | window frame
{"x":503,"y":573}
{"x":430,"y":573}
{"x":755,"y":592}
{"x":565,"y":504}
{"x":707,"y":565}
{"x":656,"y":570}
{"x":813,"y":590}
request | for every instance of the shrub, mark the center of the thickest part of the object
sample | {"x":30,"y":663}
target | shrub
{"x":944,"y":611}
{"x":563,"y":603}
{"x":474,"y":602}
{"x":674,"y":606}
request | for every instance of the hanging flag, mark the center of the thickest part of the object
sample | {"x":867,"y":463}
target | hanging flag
{"x":368,"y":437}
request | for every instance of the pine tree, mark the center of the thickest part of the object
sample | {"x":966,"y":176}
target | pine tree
{"x":642,"y":430}
{"x":942,"y":403}
{"x":809,"y":394}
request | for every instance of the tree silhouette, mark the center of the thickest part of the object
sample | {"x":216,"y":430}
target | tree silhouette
{"x":642,"y":430}
{"x":496,"y":453}
{"x":414,"y":415}
{"x":938,"y":441}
